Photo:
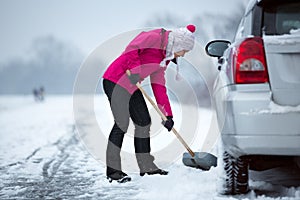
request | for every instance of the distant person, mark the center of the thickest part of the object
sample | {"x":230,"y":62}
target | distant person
{"x":147,"y":55}
{"x":42,"y":94}
{"x":35,"y":93}
{"x":39,"y":94}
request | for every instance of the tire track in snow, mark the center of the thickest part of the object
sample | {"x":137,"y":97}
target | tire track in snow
{"x":31,"y":187}
{"x":63,"y":169}
{"x":51,"y":167}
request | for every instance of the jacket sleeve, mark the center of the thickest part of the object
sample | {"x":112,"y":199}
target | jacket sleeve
{"x":160,"y":91}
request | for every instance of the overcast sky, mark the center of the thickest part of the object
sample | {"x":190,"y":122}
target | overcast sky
{"x":86,"y":23}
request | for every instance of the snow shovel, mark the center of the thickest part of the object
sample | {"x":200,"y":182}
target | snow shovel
{"x":199,"y":160}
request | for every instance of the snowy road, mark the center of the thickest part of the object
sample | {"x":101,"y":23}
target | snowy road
{"x":41,"y":157}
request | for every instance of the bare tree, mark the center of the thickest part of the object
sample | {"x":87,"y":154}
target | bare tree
{"x":51,"y":63}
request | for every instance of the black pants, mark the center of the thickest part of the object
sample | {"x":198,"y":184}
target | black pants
{"x":125,"y":106}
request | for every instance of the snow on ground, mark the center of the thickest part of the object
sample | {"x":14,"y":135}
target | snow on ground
{"x":42,"y":157}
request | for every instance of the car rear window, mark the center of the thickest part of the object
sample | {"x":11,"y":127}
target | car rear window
{"x":279,"y":19}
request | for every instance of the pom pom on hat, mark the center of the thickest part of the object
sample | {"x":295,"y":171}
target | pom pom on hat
{"x":191,"y":28}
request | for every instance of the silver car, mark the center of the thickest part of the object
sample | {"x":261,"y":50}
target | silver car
{"x":257,"y":92}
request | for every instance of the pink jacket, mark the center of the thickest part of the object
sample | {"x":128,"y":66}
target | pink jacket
{"x":143,"y":56}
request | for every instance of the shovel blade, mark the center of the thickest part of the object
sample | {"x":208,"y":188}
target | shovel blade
{"x":201,"y":160}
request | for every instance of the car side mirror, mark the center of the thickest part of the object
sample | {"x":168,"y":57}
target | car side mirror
{"x":216,"y":48}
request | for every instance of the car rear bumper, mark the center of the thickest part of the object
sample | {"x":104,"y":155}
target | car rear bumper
{"x":255,"y":125}
{"x":262,"y":145}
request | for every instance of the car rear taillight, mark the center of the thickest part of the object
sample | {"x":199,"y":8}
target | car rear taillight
{"x":250,"y":62}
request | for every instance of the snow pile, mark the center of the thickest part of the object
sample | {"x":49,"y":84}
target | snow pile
{"x":181,"y":183}
{"x":275,"y":192}
{"x":295,"y":31}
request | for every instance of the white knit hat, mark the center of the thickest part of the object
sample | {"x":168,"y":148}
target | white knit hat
{"x":183,"y":38}
{"x":178,"y":40}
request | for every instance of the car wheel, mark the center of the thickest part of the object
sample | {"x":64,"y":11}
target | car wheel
{"x":236,"y":176}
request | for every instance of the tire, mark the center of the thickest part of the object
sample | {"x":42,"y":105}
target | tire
{"x":236,"y":175}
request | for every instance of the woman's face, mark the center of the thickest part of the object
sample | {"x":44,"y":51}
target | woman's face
{"x":180,"y":53}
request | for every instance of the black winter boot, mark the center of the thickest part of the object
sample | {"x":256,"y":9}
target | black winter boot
{"x":119,"y":176}
{"x":156,"y":171}
{"x":147,"y":166}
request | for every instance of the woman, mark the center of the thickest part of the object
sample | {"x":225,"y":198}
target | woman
{"x":148,"y":54}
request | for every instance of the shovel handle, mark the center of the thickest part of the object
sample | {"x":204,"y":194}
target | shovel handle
{"x":163,"y":116}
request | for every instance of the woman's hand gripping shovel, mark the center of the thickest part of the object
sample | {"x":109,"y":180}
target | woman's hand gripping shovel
{"x":200,"y":160}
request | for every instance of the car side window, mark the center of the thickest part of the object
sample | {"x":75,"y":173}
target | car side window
{"x":281,"y":18}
